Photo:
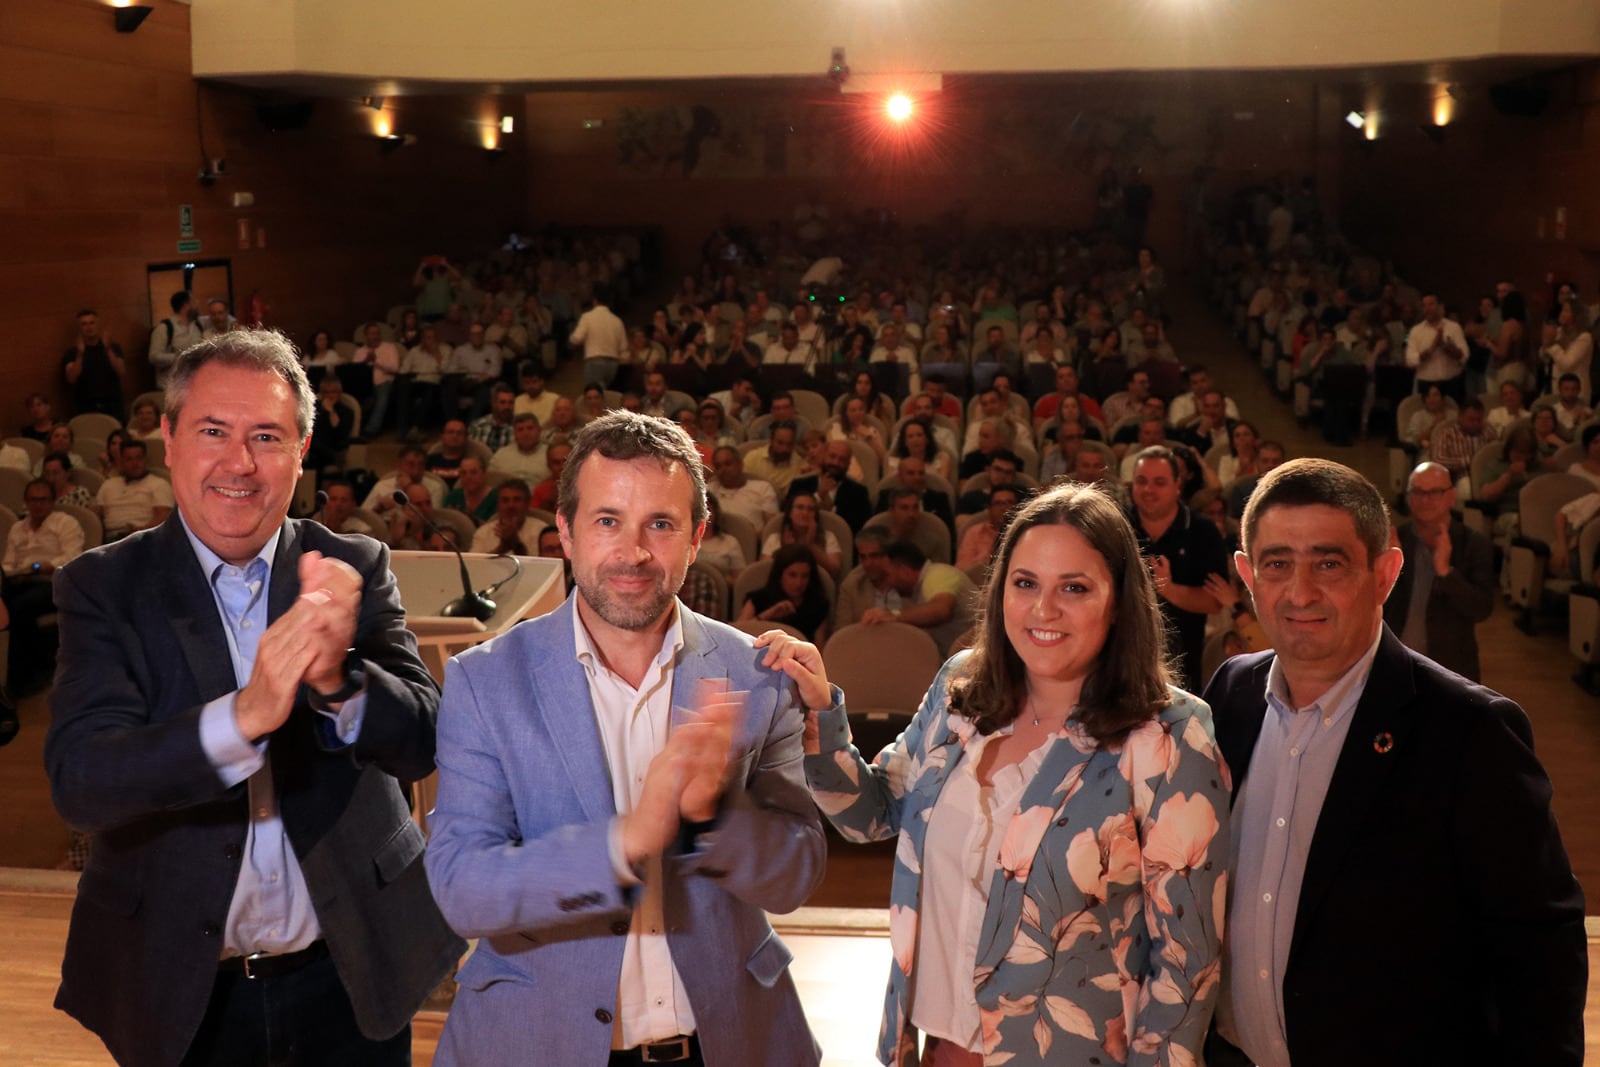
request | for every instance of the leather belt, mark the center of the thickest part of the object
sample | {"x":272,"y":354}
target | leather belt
{"x":671,"y":1050}
{"x":267,"y":965}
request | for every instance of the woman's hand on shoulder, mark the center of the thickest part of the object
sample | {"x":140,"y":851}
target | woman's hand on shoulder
{"x":801,"y":661}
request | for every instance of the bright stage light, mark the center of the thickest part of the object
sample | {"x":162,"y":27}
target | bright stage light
{"x":899,"y":107}
{"x":1356,"y":120}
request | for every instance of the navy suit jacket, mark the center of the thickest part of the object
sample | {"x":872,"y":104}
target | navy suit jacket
{"x":142,"y":651}
{"x":519,"y":857}
{"x":1439,"y":920}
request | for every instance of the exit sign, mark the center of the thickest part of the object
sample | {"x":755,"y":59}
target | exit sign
{"x":188,"y":248}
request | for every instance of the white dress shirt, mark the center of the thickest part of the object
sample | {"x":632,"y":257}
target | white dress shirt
{"x":58,"y":540}
{"x":1434,"y":366}
{"x":652,"y":1003}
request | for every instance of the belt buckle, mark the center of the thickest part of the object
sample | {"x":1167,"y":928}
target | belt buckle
{"x":253,"y":956}
{"x":670,"y":1051}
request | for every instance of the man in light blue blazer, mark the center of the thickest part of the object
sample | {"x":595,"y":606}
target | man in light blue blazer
{"x":621,"y":798}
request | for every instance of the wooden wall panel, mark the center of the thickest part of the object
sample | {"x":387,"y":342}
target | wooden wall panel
{"x":99,"y":147}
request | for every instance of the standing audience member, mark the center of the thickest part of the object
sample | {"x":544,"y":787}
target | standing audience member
{"x":1447,"y":583}
{"x":384,"y":357}
{"x":173,"y":334}
{"x":1437,"y":348}
{"x":94,"y":369}
{"x":603,"y":339}
{"x":1355,"y":758}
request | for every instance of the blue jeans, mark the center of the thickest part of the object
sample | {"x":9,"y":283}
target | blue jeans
{"x":372,"y":421}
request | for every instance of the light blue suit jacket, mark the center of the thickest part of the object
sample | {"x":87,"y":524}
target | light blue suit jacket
{"x":519,"y":858}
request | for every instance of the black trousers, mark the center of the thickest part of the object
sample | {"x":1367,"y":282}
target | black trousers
{"x":299,"y":1019}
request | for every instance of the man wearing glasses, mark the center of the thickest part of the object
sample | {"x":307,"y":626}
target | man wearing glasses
{"x":1446,"y":586}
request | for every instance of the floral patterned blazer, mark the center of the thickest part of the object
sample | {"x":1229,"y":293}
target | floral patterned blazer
{"x":1104,"y":923}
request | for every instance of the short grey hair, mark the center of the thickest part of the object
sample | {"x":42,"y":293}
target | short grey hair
{"x":627,"y":435}
{"x":266,"y":351}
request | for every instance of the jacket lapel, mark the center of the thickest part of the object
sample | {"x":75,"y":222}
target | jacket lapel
{"x":693,"y":667}
{"x":184,"y":587}
{"x":284,"y":586}
{"x":1238,"y":715}
{"x":561,"y":694}
{"x":1381,"y":725}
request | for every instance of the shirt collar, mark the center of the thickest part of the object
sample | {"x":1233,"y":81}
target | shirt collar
{"x":589,"y":656}
{"x":1340,"y":698}
{"x":210,"y":561}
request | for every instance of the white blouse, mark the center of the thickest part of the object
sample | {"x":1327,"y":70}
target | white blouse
{"x":959,"y":857}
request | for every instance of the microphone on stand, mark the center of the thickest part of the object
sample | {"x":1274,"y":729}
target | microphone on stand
{"x":469,"y":604}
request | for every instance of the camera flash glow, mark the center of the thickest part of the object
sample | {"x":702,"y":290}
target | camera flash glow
{"x":899,"y":107}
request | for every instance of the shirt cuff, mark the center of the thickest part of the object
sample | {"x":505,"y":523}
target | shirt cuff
{"x":625,"y":874}
{"x":346,"y":722}
{"x":833,"y":724}
{"x":232,"y":755}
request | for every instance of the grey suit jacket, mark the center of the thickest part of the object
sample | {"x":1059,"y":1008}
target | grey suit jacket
{"x":142,"y":651}
{"x":518,"y":856}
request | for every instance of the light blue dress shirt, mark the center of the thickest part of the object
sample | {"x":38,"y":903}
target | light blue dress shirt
{"x":271,"y":909}
{"x":1274,"y":819}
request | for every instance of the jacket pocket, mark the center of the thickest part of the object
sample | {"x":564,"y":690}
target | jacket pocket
{"x":770,"y":959}
{"x":108,"y":892}
{"x":485,"y":968}
{"x":402,"y":849}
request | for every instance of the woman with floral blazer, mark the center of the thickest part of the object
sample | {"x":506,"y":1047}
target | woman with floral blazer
{"x":1100,"y":930}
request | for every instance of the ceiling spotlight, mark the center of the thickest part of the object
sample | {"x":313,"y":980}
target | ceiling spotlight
{"x":507,"y":123}
{"x":899,"y":107}
{"x":396,"y":140}
{"x":374,"y":102}
{"x":1356,"y":120}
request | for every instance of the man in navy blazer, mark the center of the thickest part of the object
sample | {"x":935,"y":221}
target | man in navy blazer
{"x":236,"y":704}
{"x":1400,"y":893}
{"x":621,"y":798}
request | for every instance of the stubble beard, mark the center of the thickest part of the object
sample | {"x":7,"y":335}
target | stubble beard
{"x":627,"y":614}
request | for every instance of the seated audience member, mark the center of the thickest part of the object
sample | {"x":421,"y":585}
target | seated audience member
{"x":1455,"y":445}
{"x":385,"y":358}
{"x":535,"y":399}
{"x":836,"y":491}
{"x":1090,"y":467}
{"x":793,"y":594}
{"x":1588,"y":468}
{"x":409,"y":471}
{"x":1212,"y":428}
{"x":991,"y":405}
{"x":56,"y":469}
{"x":414,"y":528}
{"x":526,"y":457}
{"x":801,"y":526}
{"x":879,"y":405}
{"x":922,"y":409}
{"x":1241,"y":460}
{"x":564,"y":421}
{"x":1187,"y":406}
{"x":1547,"y":437}
{"x":892,"y":348}
{"x":935,"y":597}
{"x":1003,"y":470}
{"x":739,"y":350}
{"x":867,"y":584}
{"x":776,"y":462}
{"x":657,"y":401}
{"x":752,"y":499}
{"x":1049,"y":405}
{"x":782,"y":410}
{"x":418,"y":390}
{"x":1129,"y":402}
{"x":916,"y":440}
{"x":445,"y":460}
{"x":146,"y":422}
{"x":1151,"y":432}
{"x":493,"y":429}
{"x":595,"y":403}
{"x":718,"y":548}
{"x":852,"y":425}
{"x":1572,"y":405}
{"x":62,"y":438}
{"x":338,"y":509}
{"x":913,"y":474}
{"x":321,"y":354}
{"x":507,"y":334}
{"x":43,"y":540}
{"x":996,"y":349}
{"x":546,"y":495}
{"x":332,"y":424}
{"x":1269,"y":454}
{"x":513,"y":531}
{"x":1436,"y":410}
{"x":1510,"y":411}
{"x":994,"y":438}
{"x":902,"y":521}
{"x":1151,"y":344}
{"x":710,"y":429}
{"x":134,"y":499}
{"x":980,"y":538}
{"x":41,"y":418}
{"x":1567,"y":348}
{"x":940,"y":400}
{"x":471,"y":494}
{"x":789,"y":350}
{"x":740,"y":400}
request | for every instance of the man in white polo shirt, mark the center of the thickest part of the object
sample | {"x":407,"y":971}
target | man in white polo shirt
{"x":134,"y":499}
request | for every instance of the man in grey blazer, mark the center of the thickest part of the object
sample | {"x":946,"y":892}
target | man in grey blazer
{"x":621,"y":797}
{"x":236,"y":698}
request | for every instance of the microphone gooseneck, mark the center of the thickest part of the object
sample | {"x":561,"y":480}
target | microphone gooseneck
{"x":469,"y":604}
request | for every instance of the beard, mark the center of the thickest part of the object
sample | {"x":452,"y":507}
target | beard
{"x":638,"y":612}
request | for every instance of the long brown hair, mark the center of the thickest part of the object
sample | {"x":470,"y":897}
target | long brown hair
{"x":1129,"y":682}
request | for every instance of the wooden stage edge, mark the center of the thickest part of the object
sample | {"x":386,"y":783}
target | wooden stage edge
{"x":841,"y":961}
